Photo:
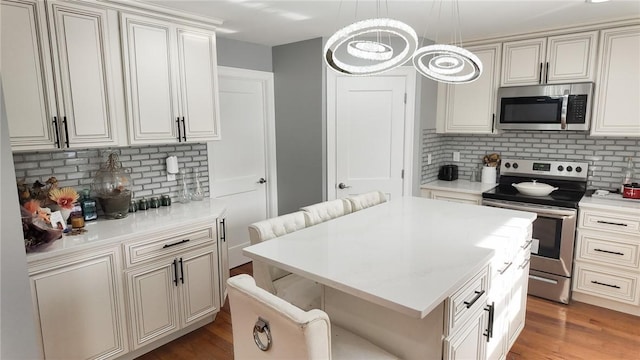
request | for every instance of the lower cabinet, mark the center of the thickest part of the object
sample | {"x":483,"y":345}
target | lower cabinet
{"x":453,"y":196}
{"x":79,"y":306}
{"x":223,"y":252}
{"x":171,"y":294}
{"x":470,"y":341}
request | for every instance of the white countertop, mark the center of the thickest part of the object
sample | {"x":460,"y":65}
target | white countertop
{"x":104,"y":231}
{"x":462,"y":186}
{"x":408,"y":254}
{"x":610,"y":201}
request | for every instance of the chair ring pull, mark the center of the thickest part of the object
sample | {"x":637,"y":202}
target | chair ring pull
{"x":262,"y":326}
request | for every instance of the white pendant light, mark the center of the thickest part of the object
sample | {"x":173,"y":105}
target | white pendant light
{"x":368,"y":50}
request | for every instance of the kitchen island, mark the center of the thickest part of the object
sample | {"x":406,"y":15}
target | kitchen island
{"x":408,"y":273}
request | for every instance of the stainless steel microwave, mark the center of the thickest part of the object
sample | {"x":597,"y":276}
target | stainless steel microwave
{"x":545,"y":107}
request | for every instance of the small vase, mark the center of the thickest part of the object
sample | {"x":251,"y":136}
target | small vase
{"x":65,"y":214}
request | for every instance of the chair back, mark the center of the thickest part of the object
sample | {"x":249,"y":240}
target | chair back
{"x":293,"y":333}
{"x":267,"y":230}
{"x":327,"y":210}
{"x":363,"y":201}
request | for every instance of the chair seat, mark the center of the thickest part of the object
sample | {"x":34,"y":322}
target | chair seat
{"x":347,"y":345}
{"x":299,"y":291}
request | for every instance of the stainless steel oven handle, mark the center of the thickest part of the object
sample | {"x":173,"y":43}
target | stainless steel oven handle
{"x":551,"y":213}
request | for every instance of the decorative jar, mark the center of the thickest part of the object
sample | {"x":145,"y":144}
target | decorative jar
{"x":112,"y":187}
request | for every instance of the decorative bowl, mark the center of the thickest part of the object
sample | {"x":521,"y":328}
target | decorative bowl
{"x":534,"y":188}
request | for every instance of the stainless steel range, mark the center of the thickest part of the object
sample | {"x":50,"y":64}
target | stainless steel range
{"x":554,"y":229}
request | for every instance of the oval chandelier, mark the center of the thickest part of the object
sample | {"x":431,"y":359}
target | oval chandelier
{"x":370,"y":50}
{"x":446,"y":64}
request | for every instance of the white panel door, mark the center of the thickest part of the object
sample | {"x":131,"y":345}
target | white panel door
{"x":245,"y":155}
{"x":522,"y":62}
{"x":370,"y":123}
{"x":82,"y":58}
{"x":152,"y":99}
{"x":80,"y":308}
{"x":471,"y":107}
{"x":27,"y":75}
{"x":198,"y":285}
{"x":197,"y":63}
{"x":571,"y":58}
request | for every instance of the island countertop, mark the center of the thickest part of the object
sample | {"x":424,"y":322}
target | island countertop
{"x":408,"y":254}
{"x":104,"y":232}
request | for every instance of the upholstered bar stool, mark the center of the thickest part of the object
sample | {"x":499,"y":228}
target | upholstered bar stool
{"x":363,"y":201}
{"x":267,"y":327}
{"x":301,"y":292}
{"x":327,"y":210}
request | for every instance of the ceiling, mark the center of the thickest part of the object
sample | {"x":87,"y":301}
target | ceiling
{"x":277,"y":22}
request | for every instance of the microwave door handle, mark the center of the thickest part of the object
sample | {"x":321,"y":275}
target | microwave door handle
{"x":563,"y":113}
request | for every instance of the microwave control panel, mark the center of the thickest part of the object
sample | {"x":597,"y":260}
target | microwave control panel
{"x":577,"y":109}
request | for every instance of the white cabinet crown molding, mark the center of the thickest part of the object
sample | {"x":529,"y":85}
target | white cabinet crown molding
{"x":162,"y":12}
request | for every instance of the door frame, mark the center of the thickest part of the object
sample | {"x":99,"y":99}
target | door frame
{"x":266,"y":79}
{"x":409,"y":124}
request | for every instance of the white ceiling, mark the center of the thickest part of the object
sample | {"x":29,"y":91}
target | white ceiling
{"x":277,"y":22}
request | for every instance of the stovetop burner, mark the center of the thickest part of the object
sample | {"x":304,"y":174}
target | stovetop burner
{"x":571,"y":183}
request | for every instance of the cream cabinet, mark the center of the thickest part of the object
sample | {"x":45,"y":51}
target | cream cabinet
{"x":470,"y":108}
{"x":223,"y":251}
{"x":79,"y":54}
{"x":616,"y":107}
{"x":607,"y":260}
{"x":550,"y":60}
{"x":79,"y":305}
{"x":170,"y":79}
{"x":460,"y":191}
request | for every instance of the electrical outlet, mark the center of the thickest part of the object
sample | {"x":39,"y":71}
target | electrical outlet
{"x":428,"y":159}
{"x":456,"y":156}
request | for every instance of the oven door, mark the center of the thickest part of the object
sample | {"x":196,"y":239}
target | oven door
{"x":553,"y":236}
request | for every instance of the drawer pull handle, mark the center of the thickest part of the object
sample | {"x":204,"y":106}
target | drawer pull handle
{"x":175,"y":243}
{"x":524,"y":264}
{"x":491,"y":309}
{"x":610,"y":223}
{"x":505,"y":268}
{"x":475,"y":298}
{"x":609,"y":252}
{"x":527,"y":244}
{"x":175,"y":272}
{"x":603,"y":284}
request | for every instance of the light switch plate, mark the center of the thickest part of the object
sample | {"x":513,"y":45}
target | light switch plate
{"x":456,"y":156}
{"x":428,"y":159}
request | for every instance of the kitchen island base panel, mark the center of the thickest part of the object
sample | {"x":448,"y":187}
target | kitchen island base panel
{"x":404,"y":336}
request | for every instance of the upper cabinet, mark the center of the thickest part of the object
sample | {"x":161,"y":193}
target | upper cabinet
{"x":76,"y":54}
{"x":616,"y":108}
{"x":470,"y":108}
{"x":170,"y":80}
{"x":550,"y":60}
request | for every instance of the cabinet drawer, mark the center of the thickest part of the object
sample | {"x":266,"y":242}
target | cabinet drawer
{"x":618,"y":222}
{"x":617,"y":250}
{"x":167,"y":244}
{"x":466,"y":300}
{"x":606,"y":283}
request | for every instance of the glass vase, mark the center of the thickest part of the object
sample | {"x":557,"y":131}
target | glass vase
{"x":198,"y":193}
{"x":112,"y":188}
{"x":184,"y":196}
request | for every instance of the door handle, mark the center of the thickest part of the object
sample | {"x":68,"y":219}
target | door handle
{"x":184,"y":130}
{"x":179,"y":131}
{"x":342,"y":186}
{"x":66,"y":131}
{"x":175,"y":271}
{"x":262,"y":181}
{"x":181,"y":271}
{"x":55,"y":127}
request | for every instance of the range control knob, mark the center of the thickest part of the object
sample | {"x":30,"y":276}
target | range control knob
{"x":507,"y":165}
{"x":515,"y":165}
{"x":578,"y":169}
{"x":560,"y":168}
{"x":569,"y":169}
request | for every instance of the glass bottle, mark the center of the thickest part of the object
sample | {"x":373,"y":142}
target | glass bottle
{"x":112,"y":187}
{"x":184,"y":196}
{"x":627,"y":178}
{"x":88,"y":205}
{"x":198,"y":193}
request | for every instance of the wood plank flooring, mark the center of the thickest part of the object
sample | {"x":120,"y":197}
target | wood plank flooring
{"x":553,"y":331}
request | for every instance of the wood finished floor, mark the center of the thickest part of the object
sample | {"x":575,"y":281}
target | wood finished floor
{"x":552,"y":331}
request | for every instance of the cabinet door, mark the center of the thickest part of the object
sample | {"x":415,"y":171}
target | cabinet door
{"x":522,"y":62}
{"x":80,"y":308}
{"x":153,"y":302}
{"x":150,"y":85}
{"x":199,"y":293}
{"x":616,"y":106}
{"x":470,"y":107}
{"x":518,"y":301}
{"x":468,"y":342}
{"x":223,"y":252}
{"x":197,"y":69}
{"x":26,"y":75}
{"x":571,"y":58}
{"x":82,"y":57}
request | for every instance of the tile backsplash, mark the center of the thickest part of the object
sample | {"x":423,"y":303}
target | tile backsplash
{"x":146,"y":165}
{"x":606,"y":156}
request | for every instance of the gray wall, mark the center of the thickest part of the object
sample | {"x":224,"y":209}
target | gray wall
{"x":17,"y":330}
{"x":298,"y":79}
{"x":243,"y":55}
